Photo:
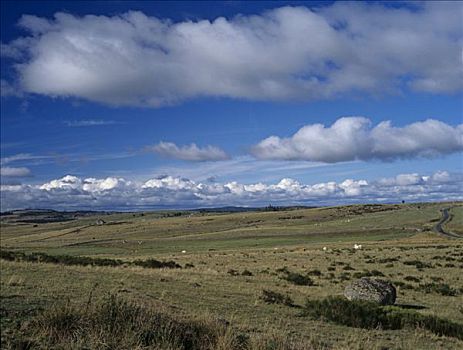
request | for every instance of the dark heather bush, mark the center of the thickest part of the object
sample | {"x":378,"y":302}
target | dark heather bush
{"x":361,"y":314}
{"x":156,"y":264}
{"x":412,"y":279}
{"x":298,"y":279}
{"x":439,"y":288}
{"x":271,"y":297}
{"x":246,"y":273}
{"x":418,"y":264}
{"x":83,"y":260}
{"x":314,"y":273}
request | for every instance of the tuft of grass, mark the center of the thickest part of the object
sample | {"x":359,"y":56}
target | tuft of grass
{"x":368,"y":315}
{"x":115,"y":323}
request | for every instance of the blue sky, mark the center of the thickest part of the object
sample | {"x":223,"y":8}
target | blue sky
{"x":71,"y":105}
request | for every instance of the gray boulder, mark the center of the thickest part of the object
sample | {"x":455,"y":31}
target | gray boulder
{"x":369,"y":289}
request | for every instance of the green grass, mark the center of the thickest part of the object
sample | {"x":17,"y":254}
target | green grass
{"x":259,"y":247}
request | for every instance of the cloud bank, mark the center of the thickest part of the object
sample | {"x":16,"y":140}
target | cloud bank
{"x":188,"y":152}
{"x":71,"y":192}
{"x":354,"y":138}
{"x":284,"y":54}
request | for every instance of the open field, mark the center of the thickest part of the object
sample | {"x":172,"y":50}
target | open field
{"x":228,"y":259}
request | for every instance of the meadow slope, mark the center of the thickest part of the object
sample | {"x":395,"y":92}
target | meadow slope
{"x":228,"y":259}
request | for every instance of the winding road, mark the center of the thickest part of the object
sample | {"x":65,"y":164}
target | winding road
{"x":439,"y":226}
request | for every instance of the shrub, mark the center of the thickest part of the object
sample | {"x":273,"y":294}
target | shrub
{"x":439,"y":288}
{"x":83,"y":260}
{"x":298,"y":279}
{"x":156,"y":264}
{"x":348,"y":268}
{"x":233,"y":272}
{"x":345,"y":276}
{"x":271,"y":297}
{"x":246,"y":273}
{"x":412,"y":279}
{"x":418,"y":264}
{"x":314,"y":273}
{"x":366,"y":273}
{"x":362,"y":314}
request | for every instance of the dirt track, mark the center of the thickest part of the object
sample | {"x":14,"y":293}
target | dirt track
{"x":439,"y":226}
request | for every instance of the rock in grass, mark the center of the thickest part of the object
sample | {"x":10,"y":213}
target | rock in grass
{"x":369,"y":289}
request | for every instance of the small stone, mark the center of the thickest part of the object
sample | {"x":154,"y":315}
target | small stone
{"x":369,"y":289}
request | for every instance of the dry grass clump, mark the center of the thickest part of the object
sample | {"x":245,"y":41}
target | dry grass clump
{"x":115,"y":323}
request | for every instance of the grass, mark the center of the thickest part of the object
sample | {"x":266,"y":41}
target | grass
{"x":257,"y":258}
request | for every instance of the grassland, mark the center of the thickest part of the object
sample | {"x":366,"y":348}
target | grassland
{"x":228,"y":259}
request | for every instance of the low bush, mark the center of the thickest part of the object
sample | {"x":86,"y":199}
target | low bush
{"x":366,"y":273}
{"x":156,"y":264}
{"x":315,"y":272}
{"x":412,"y":279}
{"x":361,"y":314}
{"x":271,"y":297}
{"x":438,"y":288}
{"x":298,"y":279}
{"x":418,"y":264}
{"x":83,"y":260}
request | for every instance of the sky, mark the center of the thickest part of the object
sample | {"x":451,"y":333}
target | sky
{"x":136,"y":105}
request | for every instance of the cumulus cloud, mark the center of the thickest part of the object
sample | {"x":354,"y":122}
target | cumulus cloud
{"x":354,"y":138}
{"x":188,"y":152}
{"x":282,"y":54}
{"x":71,"y":192}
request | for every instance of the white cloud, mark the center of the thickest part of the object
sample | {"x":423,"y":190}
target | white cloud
{"x":14,"y":172}
{"x":67,"y":182}
{"x":353,"y":138}
{"x":286,"y":53}
{"x":117,"y":193}
{"x":189,"y":152}
{"x":89,"y":122}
